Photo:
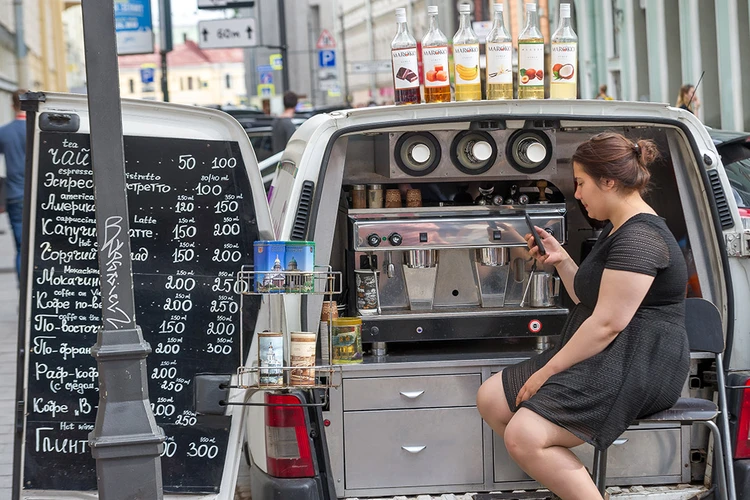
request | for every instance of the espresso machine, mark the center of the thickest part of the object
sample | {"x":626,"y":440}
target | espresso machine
{"x":459,"y":272}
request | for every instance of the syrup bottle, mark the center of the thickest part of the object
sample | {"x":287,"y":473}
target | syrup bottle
{"x":437,"y":83}
{"x":404,"y":63}
{"x":531,"y":57}
{"x":466,"y":58}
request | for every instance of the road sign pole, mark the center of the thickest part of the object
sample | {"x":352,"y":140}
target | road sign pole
{"x":282,"y":42}
{"x":165,"y":22}
{"x":125,"y":442}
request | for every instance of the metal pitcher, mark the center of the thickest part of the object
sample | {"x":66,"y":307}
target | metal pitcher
{"x":543,"y":289}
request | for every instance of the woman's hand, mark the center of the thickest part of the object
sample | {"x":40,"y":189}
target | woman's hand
{"x":554,"y":251}
{"x":533,"y":384}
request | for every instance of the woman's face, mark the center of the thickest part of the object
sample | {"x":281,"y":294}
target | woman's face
{"x":590,"y":193}
{"x":689,"y":93}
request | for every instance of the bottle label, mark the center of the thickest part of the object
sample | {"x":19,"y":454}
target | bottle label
{"x":531,"y":64}
{"x":405,"y":68}
{"x":466,"y":59}
{"x":564,"y":62}
{"x":435,"y":62}
{"x":499,"y":63}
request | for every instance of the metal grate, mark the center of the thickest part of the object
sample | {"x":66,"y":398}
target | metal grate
{"x":299,"y":230}
{"x":725,"y":214}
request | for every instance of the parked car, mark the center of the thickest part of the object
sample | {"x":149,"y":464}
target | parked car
{"x":435,"y":289}
{"x":734,"y":148}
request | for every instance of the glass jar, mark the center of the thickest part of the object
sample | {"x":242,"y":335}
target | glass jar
{"x":359,"y":196}
{"x":346,"y":341}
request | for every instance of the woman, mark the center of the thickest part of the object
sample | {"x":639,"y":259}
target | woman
{"x":623,"y":352}
{"x":687,"y":99}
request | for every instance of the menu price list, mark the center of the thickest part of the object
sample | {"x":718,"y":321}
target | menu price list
{"x":192,"y":225}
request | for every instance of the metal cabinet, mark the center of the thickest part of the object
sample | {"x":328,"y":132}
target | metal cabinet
{"x":433,"y":391}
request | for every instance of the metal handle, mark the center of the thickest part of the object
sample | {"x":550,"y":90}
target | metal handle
{"x":413,"y":449}
{"x":618,"y":442}
{"x":412,"y":394}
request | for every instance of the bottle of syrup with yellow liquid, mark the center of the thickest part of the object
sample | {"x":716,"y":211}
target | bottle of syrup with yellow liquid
{"x":564,"y":59}
{"x":499,"y":77}
{"x":437,"y":84}
{"x":531,"y":57}
{"x":466,"y":58}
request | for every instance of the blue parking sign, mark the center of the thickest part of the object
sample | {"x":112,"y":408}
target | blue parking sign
{"x":266,"y":78}
{"x":327,"y":58}
{"x":147,"y":75}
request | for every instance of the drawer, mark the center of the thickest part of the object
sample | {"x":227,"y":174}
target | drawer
{"x":642,"y":453}
{"x":400,"y":448}
{"x":433,"y":391}
{"x":645,"y":453}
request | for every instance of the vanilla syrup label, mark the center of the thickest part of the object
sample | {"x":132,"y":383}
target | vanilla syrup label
{"x":499,"y":63}
{"x":564,"y":62}
{"x":435,"y":62}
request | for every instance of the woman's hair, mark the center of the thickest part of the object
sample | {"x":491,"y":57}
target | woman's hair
{"x":682,"y":97}
{"x":613,"y":156}
{"x":603,"y":89}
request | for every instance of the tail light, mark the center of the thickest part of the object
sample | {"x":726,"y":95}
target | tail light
{"x":288,"y":451}
{"x":745,"y":217}
{"x":742,"y":450}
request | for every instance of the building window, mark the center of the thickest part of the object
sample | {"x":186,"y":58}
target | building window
{"x":131,"y":85}
{"x":190,"y":83}
{"x":228,"y":80}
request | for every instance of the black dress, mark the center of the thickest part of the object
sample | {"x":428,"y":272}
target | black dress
{"x":643,"y":370}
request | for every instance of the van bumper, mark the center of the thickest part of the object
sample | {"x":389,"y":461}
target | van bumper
{"x":265,"y":487}
{"x":742,"y":479}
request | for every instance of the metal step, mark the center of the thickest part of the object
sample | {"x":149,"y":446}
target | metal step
{"x":526,"y":495}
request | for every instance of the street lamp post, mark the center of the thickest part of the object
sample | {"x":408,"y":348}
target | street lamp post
{"x":126,"y":441}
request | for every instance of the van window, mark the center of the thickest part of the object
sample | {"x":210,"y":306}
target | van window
{"x":739,"y":177}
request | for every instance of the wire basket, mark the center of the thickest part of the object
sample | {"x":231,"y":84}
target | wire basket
{"x":292,"y":377}
{"x":322,"y":281}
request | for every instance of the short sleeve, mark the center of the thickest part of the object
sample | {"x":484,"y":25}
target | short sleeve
{"x":638,"y":247}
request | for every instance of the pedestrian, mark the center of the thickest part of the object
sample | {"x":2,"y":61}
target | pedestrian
{"x":603,"y":93}
{"x":623,"y":352}
{"x":13,"y":146}
{"x":687,"y":99}
{"x":282,"y":127}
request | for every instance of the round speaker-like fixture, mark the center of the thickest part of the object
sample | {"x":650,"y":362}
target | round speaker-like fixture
{"x":417,"y":153}
{"x":473,"y":152}
{"x":529,"y":151}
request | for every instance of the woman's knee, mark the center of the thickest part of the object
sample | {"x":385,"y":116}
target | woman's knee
{"x":521,"y":436}
{"x":491,"y":401}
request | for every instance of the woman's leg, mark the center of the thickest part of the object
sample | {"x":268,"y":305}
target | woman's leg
{"x":541,"y":449}
{"x":492,"y":405}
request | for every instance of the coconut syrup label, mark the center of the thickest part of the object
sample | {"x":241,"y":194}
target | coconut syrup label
{"x":405,"y":68}
{"x":531,"y":64}
{"x":466,"y":58}
{"x":499,"y":63}
{"x":435,"y":61}
{"x":564,"y":62}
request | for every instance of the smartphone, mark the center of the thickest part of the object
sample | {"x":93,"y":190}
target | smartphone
{"x":537,"y":239}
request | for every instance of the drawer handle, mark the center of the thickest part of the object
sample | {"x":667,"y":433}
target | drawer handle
{"x":618,"y":442}
{"x":412,"y":394}
{"x":413,"y":449}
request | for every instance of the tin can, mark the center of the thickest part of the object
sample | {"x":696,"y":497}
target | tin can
{"x":302,"y":358}
{"x":300,"y":263}
{"x":375,"y":196}
{"x":359,"y":196}
{"x":269,"y":258}
{"x":367,"y":291}
{"x":328,"y":313}
{"x":270,"y":359}
{"x":346,"y":341}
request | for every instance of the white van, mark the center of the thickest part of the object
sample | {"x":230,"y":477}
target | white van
{"x":451,"y":281}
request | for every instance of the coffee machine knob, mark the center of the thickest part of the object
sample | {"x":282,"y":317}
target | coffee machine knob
{"x":373,"y":240}
{"x":395,"y":239}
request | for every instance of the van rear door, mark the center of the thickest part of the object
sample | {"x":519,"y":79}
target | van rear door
{"x":196,"y":204}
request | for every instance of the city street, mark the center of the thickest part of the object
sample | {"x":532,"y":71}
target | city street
{"x":8,"y":353}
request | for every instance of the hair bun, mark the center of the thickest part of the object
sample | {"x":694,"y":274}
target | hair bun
{"x":646,"y":152}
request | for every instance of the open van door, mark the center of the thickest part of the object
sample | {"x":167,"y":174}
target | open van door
{"x":196,"y":204}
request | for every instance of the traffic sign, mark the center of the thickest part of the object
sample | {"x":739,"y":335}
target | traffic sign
{"x":227,"y":33}
{"x":326,"y":40}
{"x":266,"y":90}
{"x":147,"y":73}
{"x":264,"y":68}
{"x":224,"y":4}
{"x":327,"y":58}
{"x":133,"y":27}
{"x":266,"y":78}
{"x":383,"y":66}
{"x":277,"y":62}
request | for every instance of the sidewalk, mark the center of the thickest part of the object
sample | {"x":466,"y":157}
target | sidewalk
{"x":8,"y":354}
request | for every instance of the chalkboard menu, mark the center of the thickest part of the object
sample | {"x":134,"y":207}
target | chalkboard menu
{"x":192,"y":225}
